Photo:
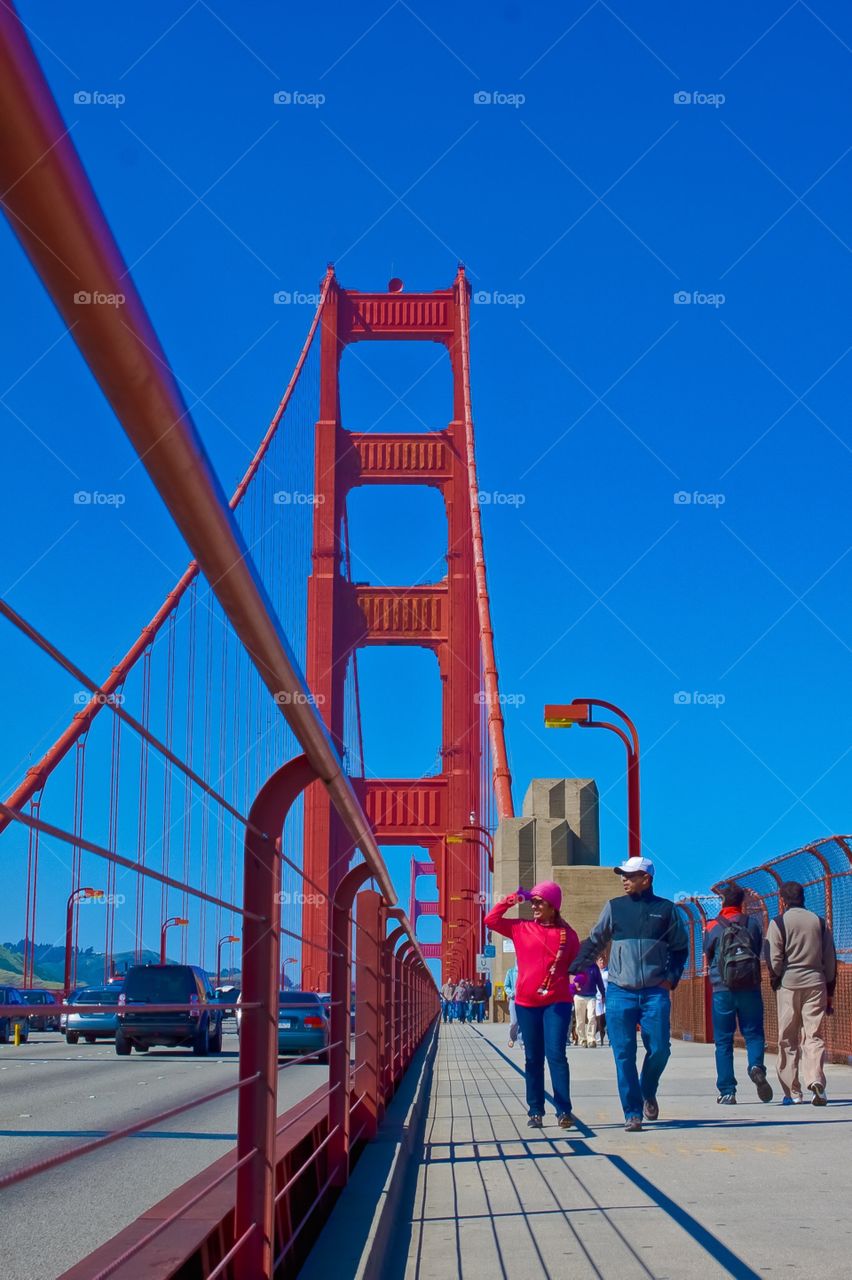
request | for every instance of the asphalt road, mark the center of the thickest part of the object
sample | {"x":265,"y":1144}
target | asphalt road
{"x":55,"y":1096}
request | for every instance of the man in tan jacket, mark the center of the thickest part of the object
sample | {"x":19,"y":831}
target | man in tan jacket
{"x":803,"y":970}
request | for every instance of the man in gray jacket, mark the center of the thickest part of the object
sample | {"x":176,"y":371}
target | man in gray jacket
{"x":649,"y":948}
{"x":803,"y":971}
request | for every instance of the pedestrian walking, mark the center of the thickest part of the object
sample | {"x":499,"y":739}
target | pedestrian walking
{"x":649,"y":948}
{"x":461,"y":998}
{"x":448,"y":991}
{"x":478,"y":998}
{"x":510,"y":983}
{"x":545,"y":947}
{"x":732,"y":944}
{"x":803,"y":972}
{"x":600,"y":1001}
{"x":589,"y":986}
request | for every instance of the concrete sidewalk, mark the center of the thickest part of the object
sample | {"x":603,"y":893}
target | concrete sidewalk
{"x":491,"y":1198}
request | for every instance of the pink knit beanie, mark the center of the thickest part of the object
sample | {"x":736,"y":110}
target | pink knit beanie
{"x":548,"y":892}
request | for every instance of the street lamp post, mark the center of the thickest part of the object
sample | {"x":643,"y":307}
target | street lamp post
{"x":167,"y":924}
{"x":485,"y":840}
{"x":289,"y":960}
{"x":581,"y":712}
{"x":74,"y":897}
{"x":229,"y":937}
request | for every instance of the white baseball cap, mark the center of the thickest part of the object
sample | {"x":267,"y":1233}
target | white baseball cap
{"x":633,"y":866}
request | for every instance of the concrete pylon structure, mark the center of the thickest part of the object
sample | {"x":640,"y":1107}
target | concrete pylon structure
{"x":556,"y":838}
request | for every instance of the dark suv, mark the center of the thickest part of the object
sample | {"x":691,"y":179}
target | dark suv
{"x":198,"y":1027}
{"x":8,"y":1021}
{"x":46,"y":1013}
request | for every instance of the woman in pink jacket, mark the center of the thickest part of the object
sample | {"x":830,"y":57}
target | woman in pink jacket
{"x":545,"y":947}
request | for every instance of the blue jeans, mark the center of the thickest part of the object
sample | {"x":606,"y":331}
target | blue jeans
{"x":650,"y":1006}
{"x":544,"y":1031}
{"x":730,"y":1007}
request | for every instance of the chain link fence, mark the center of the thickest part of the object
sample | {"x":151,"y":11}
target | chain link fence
{"x":824,"y":868}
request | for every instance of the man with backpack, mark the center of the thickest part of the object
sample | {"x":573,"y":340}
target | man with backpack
{"x":732,"y":945}
{"x":803,"y":972}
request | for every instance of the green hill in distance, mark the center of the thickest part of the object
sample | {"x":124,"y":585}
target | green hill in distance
{"x":49,"y":967}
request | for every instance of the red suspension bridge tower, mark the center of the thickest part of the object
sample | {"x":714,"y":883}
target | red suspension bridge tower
{"x":450,"y":617}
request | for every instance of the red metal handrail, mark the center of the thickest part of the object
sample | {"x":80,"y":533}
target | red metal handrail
{"x":55,"y":214}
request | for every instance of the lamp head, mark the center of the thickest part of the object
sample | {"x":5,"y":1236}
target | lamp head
{"x":565,"y":716}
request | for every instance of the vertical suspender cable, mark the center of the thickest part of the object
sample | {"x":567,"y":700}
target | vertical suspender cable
{"x":112,"y":844}
{"x":192,"y":629}
{"x":32,"y":885}
{"x":142,"y":825}
{"x":205,"y":773}
{"x":167,"y":770}
{"x":77,"y":854}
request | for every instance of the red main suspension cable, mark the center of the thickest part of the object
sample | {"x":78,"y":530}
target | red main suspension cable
{"x":501,"y":775}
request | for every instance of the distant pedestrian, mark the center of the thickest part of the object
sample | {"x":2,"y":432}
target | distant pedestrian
{"x":478,"y":997}
{"x":448,"y":991}
{"x":510,"y":983}
{"x":732,"y":944}
{"x":461,"y":998}
{"x":600,"y":1001}
{"x":545,"y":947}
{"x":648,"y":953}
{"x":803,"y":972}
{"x":589,"y":986}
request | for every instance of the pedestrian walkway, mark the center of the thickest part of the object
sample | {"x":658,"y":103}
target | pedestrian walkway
{"x":767,"y":1197}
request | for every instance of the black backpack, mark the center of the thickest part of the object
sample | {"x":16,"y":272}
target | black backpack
{"x":739,"y":967}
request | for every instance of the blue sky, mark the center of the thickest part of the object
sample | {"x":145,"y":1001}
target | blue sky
{"x":628,"y":156}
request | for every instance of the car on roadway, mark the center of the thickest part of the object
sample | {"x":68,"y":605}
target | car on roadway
{"x":228,"y":997}
{"x":9,"y":1021}
{"x":45,"y":1011}
{"x":196,"y":1026}
{"x":303,"y":1025}
{"x":80,"y":1019}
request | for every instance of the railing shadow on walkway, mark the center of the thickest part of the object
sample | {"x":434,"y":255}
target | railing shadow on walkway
{"x":479,"y":1087}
